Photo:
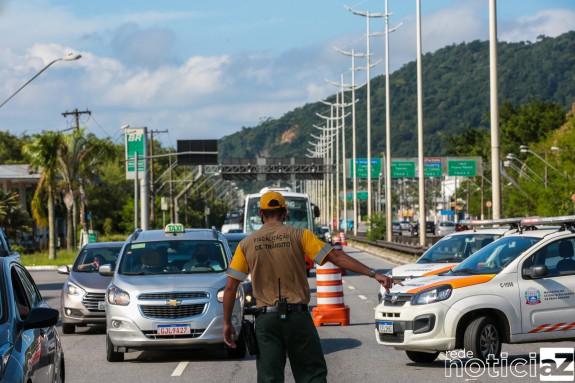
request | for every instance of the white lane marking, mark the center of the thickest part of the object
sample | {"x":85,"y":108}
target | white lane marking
{"x":180,"y":369}
{"x":362,"y":297}
{"x":351,"y":287}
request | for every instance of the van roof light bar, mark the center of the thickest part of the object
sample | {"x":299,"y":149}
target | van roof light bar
{"x":566,"y":221}
{"x":492,"y":222}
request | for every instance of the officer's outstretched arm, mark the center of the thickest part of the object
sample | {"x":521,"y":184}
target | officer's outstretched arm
{"x":341,"y":259}
{"x":229,"y":299}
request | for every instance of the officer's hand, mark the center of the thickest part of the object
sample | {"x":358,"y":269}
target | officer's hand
{"x":230,"y":335}
{"x":385,"y":281}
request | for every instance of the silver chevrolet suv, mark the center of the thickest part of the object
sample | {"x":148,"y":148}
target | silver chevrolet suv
{"x":167,"y":293}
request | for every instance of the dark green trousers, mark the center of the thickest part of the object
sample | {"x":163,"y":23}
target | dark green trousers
{"x":294,"y":337}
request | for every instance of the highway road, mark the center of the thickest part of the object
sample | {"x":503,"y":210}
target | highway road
{"x":351,"y":352}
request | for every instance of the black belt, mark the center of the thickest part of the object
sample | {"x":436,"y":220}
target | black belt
{"x":291,"y":307}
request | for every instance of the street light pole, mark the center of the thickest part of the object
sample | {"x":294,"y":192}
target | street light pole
{"x":495,"y":169}
{"x":368,"y":15}
{"x":68,"y":57}
{"x":353,"y":135}
{"x":421,"y":172}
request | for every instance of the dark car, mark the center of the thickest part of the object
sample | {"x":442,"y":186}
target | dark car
{"x":29,"y":343}
{"x":83,"y":294}
{"x":429,"y":228}
{"x":249,"y":300}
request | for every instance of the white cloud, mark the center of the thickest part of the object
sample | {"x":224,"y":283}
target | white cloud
{"x":551,"y":23}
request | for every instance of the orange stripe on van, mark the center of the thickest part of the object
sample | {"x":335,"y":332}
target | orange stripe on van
{"x":438,"y":271}
{"x":456,"y":283}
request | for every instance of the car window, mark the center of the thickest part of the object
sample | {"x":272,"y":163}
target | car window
{"x":558,"y":257}
{"x":20,"y":297}
{"x":456,"y":248}
{"x":91,"y":258}
{"x":32,"y":292}
{"x":173,"y":257}
{"x":494,"y":257}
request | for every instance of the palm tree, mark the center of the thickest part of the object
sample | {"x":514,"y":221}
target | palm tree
{"x":42,"y":153}
{"x":71,"y":155}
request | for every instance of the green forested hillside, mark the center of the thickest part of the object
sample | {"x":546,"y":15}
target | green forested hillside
{"x":456,"y":90}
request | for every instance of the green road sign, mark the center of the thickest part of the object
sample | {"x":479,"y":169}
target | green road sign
{"x":361,"y":195}
{"x":135,"y":142}
{"x":462,"y":167}
{"x":402,"y":169}
{"x":92,"y":236}
{"x":361,"y":168}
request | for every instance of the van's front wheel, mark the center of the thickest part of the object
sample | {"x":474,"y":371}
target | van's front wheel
{"x":422,"y":357}
{"x":483,"y":338}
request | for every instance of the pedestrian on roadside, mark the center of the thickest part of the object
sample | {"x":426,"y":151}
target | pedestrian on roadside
{"x":274,"y":256}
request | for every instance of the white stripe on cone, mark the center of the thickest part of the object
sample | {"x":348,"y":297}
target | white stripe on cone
{"x":330,"y":301}
{"x":327,"y":266}
{"x":328,"y":277}
{"x":330,"y":289}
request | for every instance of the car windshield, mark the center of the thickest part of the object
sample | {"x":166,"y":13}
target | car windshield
{"x":494,"y":257}
{"x":456,"y":248}
{"x":173,"y":257}
{"x":91,"y":258}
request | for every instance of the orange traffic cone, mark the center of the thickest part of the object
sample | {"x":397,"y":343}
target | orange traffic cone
{"x":330,"y":308}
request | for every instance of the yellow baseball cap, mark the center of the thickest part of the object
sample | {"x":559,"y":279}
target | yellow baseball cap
{"x":272,"y":200}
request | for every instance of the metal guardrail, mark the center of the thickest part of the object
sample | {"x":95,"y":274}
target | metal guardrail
{"x":405,"y":247}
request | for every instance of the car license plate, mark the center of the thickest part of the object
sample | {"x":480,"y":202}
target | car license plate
{"x":173,"y":329}
{"x":385,"y":327}
{"x":102,"y":306}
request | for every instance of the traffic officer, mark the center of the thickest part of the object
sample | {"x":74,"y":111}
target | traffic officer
{"x":274,"y":256}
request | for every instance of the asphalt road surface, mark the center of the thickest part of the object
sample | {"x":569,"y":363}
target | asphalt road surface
{"x":351,"y":352}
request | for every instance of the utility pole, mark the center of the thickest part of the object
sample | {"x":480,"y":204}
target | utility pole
{"x":77,"y":113}
{"x":153,"y":132}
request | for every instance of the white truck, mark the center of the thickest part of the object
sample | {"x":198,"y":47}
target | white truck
{"x":301,"y":212}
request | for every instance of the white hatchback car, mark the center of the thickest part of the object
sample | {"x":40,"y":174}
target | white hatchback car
{"x":518,"y":289}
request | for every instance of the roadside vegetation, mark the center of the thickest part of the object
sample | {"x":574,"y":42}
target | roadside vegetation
{"x":82,"y":187}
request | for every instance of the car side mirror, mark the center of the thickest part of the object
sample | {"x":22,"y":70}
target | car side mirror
{"x":106,"y":270}
{"x":536,"y":272}
{"x":316,"y":212}
{"x":63,"y":269}
{"x":40,"y":317}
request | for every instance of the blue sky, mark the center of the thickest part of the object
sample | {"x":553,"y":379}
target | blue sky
{"x":207,"y":68}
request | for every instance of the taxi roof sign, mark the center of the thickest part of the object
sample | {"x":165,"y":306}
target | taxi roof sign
{"x":174,"y":228}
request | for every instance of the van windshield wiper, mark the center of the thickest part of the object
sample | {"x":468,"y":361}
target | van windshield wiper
{"x":134,"y":273}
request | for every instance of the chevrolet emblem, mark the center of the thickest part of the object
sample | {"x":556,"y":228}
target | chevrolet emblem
{"x":173,"y":302}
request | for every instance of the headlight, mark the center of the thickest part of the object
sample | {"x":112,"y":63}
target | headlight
{"x":72,"y":289}
{"x":117,"y":296}
{"x":436,"y":294}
